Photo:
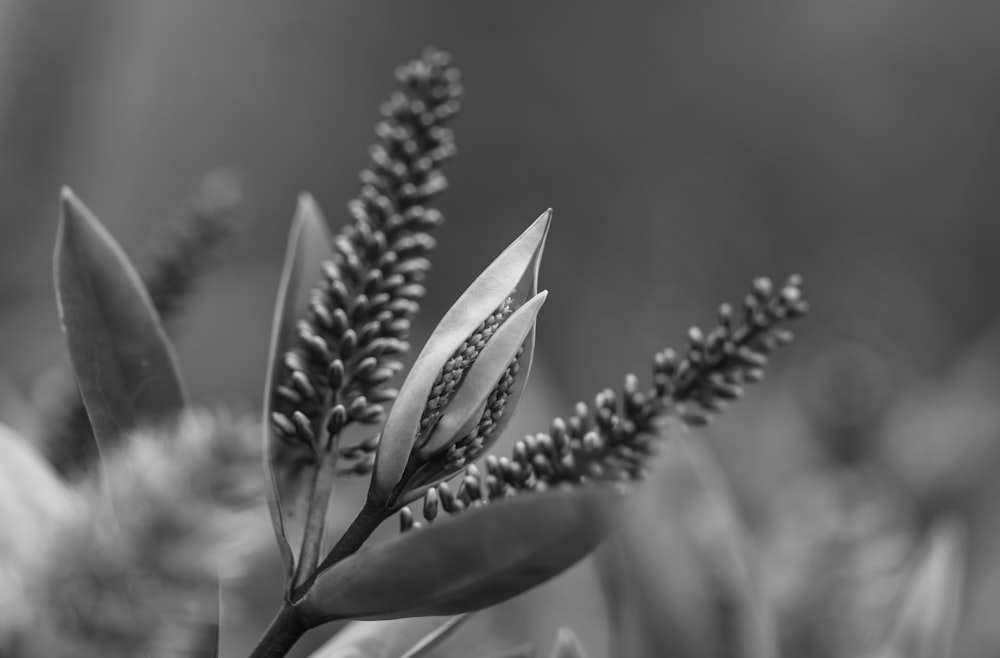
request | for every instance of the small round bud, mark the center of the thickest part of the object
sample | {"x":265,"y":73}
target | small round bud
{"x":335,"y":375}
{"x":405,"y":520}
{"x":431,"y":504}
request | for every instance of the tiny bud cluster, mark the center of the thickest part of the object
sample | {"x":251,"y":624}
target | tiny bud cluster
{"x":613,"y":438}
{"x":358,"y":319}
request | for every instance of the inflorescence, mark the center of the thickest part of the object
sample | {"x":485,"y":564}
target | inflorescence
{"x":615,"y":439}
{"x":359,"y":316}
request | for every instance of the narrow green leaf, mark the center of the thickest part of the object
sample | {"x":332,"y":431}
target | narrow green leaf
{"x":123,"y":362}
{"x":930,"y":600}
{"x":467,"y":562}
{"x":181,"y":257}
{"x":466,"y":407}
{"x":289,"y":468}
{"x":567,"y":645}
{"x":729,"y":563}
{"x":434,"y":639}
{"x":122,"y":359}
{"x":389,"y":638}
{"x":514,"y":274}
{"x":680,"y":577}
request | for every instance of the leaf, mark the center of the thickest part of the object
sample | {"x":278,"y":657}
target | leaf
{"x":170,"y":273}
{"x":722,"y":544}
{"x":679,"y":578}
{"x":929,"y":605}
{"x":124,"y":364}
{"x":435,"y":638}
{"x":567,"y":645}
{"x":467,"y":562}
{"x":389,"y":638}
{"x":289,"y":468}
{"x":514,"y":274}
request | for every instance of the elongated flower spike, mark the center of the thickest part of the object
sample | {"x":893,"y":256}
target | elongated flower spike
{"x":460,"y":393}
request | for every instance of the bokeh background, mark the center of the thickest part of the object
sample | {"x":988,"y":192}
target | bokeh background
{"x":685,"y":147}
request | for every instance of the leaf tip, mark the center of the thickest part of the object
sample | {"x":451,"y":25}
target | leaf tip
{"x":567,"y":644}
{"x":75,"y":214}
{"x":306,"y":202}
{"x":66,"y":194}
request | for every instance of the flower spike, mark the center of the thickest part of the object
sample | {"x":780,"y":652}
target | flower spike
{"x":468,"y":378}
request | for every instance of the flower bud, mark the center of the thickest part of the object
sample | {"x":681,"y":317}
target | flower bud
{"x":469,"y":376}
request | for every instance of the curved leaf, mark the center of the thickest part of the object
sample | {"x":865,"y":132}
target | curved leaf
{"x":476,"y":559}
{"x":287,"y":467}
{"x":567,"y":645}
{"x":394,"y":638}
{"x":123,"y":362}
{"x":929,"y":603}
{"x":729,"y":563}
{"x":514,"y":272}
{"x":435,"y":638}
{"x":680,"y":577}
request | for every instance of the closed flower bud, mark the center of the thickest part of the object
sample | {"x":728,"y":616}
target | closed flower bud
{"x":466,"y":382}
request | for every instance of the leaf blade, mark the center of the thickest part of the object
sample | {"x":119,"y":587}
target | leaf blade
{"x":930,"y":600}
{"x":567,"y":645}
{"x":285,"y":468}
{"x":725,"y":549}
{"x":387,"y":638}
{"x":467,"y":562}
{"x":123,"y":361}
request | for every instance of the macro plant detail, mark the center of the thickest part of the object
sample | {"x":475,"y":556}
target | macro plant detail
{"x":616,"y":439}
{"x":125,"y":532}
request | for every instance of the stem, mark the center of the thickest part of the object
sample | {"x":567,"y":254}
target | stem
{"x":364,"y":524}
{"x":285,"y":630}
{"x":368,"y":519}
{"x":319,"y":502}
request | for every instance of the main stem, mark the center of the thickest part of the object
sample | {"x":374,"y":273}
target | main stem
{"x":285,"y":630}
{"x":287,"y":626}
{"x":319,"y":502}
{"x":368,"y":519}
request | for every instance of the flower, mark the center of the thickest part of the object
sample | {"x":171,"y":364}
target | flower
{"x":465,"y":384}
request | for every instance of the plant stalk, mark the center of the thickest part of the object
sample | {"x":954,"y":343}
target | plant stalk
{"x":319,"y":503}
{"x":368,"y":519}
{"x":281,"y":635}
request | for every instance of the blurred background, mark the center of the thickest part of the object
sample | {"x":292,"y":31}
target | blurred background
{"x":686,"y":148}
